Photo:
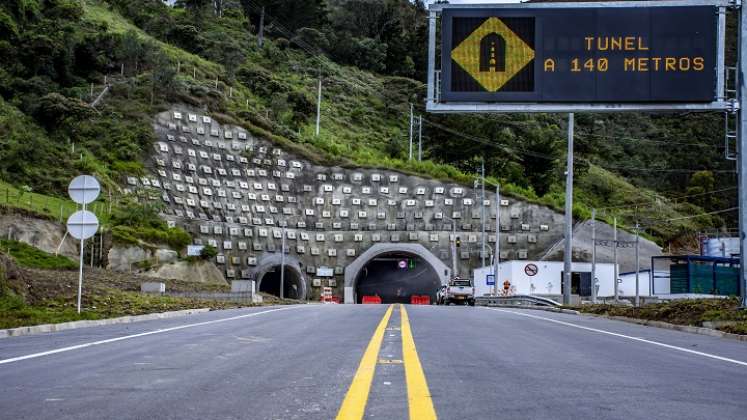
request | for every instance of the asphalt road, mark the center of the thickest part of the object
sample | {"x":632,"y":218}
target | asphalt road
{"x":379,"y":361}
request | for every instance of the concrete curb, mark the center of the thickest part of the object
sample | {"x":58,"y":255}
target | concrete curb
{"x":537,"y":308}
{"x":47,"y":328}
{"x":667,"y":326}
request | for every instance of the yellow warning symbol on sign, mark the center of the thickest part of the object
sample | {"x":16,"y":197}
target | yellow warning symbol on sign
{"x":492,"y":54}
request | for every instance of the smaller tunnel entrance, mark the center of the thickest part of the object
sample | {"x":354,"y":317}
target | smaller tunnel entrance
{"x":270,"y":283}
{"x":395,"y":277}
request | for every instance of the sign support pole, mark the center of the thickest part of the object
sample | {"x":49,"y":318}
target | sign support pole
{"x":593,"y":255}
{"x":742,"y":155}
{"x":567,"y":257}
{"x":497,"y":256}
{"x":80,"y":273}
{"x":482,"y":209}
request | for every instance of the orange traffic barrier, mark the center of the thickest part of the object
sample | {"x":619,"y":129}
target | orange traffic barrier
{"x":420,"y":300}
{"x":371,"y":300}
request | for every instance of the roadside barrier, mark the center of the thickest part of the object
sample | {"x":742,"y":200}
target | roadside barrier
{"x":420,"y":300}
{"x":371,"y":300}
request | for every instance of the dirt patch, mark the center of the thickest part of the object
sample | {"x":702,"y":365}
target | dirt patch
{"x":63,"y":285}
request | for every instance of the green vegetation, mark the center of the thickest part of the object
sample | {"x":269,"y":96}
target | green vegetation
{"x":30,"y":257}
{"x":14,"y":312}
{"x":684,"y":312}
{"x":23,"y":200}
{"x":205,"y":54}
{"x":135,"y":223}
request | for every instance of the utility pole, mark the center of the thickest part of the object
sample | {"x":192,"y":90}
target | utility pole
{"x":567,"y":258}
{"x":261,"y":34}
{"x":593,"y":255}
{"x":420,"y":138}
{"x":614,"y":245}
{"x":318,"y":106}
{"x":742,"y":156}
{"x":282,"y":264}
{"x":497,"y":256}
{"x":637,"y":267}
{"x":482,"y":208}
{"x":412,"y":118}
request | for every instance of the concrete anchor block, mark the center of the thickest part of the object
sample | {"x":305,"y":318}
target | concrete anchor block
{"x":153,"y":287}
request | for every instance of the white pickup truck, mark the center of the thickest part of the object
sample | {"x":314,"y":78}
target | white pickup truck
{"x":459,"y":291}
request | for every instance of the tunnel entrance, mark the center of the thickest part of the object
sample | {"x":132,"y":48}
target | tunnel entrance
{"x":395,"y":277}
{"x":269,"y":283}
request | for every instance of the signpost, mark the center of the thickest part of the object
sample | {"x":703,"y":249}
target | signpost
{"x":83,"y":224}
{"x":666,"y":55}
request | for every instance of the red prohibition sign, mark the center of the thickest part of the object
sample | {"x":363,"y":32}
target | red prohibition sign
{"x":531,"y":270}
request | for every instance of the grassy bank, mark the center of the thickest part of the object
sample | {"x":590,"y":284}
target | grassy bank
{"x":693,"y":312}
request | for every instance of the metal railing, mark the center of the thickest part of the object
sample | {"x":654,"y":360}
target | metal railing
{"x":519,"y":300}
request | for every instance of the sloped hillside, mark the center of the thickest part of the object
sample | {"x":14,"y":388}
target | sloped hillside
{"x":61,"y":52}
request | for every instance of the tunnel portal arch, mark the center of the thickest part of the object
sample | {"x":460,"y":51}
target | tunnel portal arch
{"x":269,"y":268}
{"x":353,"y":270}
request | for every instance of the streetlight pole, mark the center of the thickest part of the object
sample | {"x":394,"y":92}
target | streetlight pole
{"x":614,"y":253}
{"x":318,"y":106}
{"x":282,"y":264}
{"x":637,"y":266}
{"x":412,"y":117}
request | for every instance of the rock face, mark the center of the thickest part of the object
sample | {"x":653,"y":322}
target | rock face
{"x":43,"y":234}
{"x":240,"y":194}
{"x":197,"y":272}
{"x":130,"y":258}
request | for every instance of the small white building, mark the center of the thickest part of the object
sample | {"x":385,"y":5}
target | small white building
{"x":544,"y":278}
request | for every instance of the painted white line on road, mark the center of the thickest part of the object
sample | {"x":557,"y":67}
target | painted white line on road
{"x":642,"y":340}
{"x":127,"y":337}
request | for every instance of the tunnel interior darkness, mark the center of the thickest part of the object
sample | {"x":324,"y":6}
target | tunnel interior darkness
{"x":384,"y":276}
{"x":270,"y":283}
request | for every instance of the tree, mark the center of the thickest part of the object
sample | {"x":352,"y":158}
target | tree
{"x":701,"y":183}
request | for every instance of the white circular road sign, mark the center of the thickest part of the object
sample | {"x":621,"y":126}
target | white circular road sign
{"x":84,"y":189}
{"x":82,"y":224}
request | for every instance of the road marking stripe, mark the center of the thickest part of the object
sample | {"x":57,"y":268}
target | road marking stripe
{"x":418,"y":395}
{"x":127,"y":337}
{"x":354,"y":404}
{"x":642,"y":340}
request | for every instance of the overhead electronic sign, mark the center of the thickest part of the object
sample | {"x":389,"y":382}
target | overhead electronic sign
{"x":575,"y":57}
{"x":598,"y":54}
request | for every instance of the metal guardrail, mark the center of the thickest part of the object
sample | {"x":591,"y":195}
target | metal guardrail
{"x":527,"y":300}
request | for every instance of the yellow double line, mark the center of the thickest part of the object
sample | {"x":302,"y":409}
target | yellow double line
{"x":418,"y":396}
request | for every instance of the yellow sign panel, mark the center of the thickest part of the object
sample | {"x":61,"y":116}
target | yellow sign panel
{"x":493,"y":54}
